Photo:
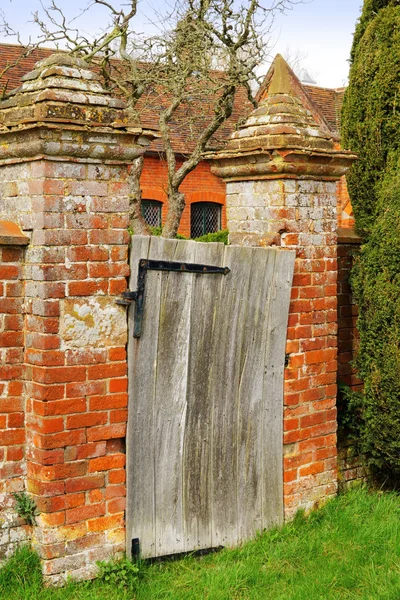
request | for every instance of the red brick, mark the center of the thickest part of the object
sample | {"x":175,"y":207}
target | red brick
{"x":89,"y":388}
{"x":116,"y":491}
{"x":12,"y":437}
{"x":96,"y":496}
{"x":83,"y":513}
{"x":117,"y":286}
{"x":117,"y":505}
{"x":108,"y":402}
{"x":59,"y":440}
{"x":59,"y":374}
{"x":15,"y":419}
{"x":86,"y":420}
{"x":59,"y":407}
{"x":87,"y":288}
{"x":46,"y":392}
{"x":117,"y":476}
{"x":15,"y":453}
{"x":106,"y":432}
{"x":106,"y":523}
{"x":83,"y":484}
{"x":320,"y":356}
{"x":106,"y":463}
{"x":45,"y":488}
{"x":118,"y":385}
{"x":116,"y":354}
{"x":106,"y":371}
{"x":119,"y":416}
{"x":91,"y":450}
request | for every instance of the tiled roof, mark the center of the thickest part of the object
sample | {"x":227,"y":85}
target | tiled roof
{"x":10,"y":54}
{"x":183,"y":136}
{"x":327,"y":101}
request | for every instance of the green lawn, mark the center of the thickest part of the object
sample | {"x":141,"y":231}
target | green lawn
{"x":348,"y":549}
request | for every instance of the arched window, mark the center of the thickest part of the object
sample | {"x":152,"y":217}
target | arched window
{"x":205,"y":217}
{"x":151,"y":211}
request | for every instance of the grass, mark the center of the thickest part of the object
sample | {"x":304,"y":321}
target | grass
{"x":348,"y":549}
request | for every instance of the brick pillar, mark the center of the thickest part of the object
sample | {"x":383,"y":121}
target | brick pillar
{"x":64,"y":155}
{"x":281,"y":170}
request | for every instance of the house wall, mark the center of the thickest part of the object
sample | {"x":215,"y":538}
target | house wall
{"x":199,"y":186}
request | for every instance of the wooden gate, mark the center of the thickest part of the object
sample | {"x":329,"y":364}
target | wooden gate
{"x":204,"y":442}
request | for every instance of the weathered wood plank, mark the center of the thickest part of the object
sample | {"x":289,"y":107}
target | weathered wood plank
{"x":171,"y":397}
{"x":251,"y":398}
{"x":197,"y":442}
{"x":140,"y":449}
{"x":279,"y":299}
{"x":223,"y":384}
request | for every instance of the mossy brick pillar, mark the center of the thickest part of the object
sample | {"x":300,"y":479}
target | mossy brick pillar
{"x":281,"y":170}
{"x":65,"y":151}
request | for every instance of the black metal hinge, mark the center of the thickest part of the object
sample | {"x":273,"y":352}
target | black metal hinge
{"x":160,"y":265}
{"x":135,"y":549}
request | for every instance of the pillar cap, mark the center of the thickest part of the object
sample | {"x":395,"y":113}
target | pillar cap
{"x":61,"y":109}
{"x":285,"y":136}
{"x":62,"y":90}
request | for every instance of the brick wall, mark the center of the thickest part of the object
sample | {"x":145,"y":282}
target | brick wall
{"x":12,"y":405}
{"x":310,"y":463}
{"x":301,"y":215}
{"x":352,"y":467}
{"x":75,"y":359}
{"x":347,"y":311}
{"x":199,"y":186}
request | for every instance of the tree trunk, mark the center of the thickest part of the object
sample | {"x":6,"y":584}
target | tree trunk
{"x":176,"y":204}
{"x":136,"y":221}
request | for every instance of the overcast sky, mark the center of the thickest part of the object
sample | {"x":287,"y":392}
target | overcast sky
{"x":319,"y":31}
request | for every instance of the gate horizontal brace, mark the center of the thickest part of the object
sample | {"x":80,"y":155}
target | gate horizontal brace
{"x":161,"y":265}
{"x":167,"y":265}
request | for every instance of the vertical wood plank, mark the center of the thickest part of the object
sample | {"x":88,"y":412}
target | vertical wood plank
{"x":140,"y":452}
{"x":197,"y":443}
{"x":231,"y":306}
{"x":279,"y":299}
{"x":171,"y":398}
{"x":251,"y":398}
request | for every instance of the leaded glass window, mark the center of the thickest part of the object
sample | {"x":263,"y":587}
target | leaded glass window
{"x":151,"y":211}
{"x":205,"y":218}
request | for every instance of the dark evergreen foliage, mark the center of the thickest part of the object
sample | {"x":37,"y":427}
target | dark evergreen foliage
{"x":376,"y":286}
{"x":370,"y":11}
{"x":371,"y":111}
{"x":371,"y":127}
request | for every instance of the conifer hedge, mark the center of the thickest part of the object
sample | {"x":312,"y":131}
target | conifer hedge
{"x":371,"y":127}
{"x":371,"y":111}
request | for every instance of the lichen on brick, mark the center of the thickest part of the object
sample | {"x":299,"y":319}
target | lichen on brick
{"x":93,"y":322}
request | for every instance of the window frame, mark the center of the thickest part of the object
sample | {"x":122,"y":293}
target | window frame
{"x":204,"y":205}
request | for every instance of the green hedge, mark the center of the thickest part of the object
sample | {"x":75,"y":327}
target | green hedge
{"x":375,"y":414}
{"x":371,"y":111}
{"x":371,"y":127}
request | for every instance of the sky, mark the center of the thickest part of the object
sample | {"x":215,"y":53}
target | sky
{"x":318,"y":32}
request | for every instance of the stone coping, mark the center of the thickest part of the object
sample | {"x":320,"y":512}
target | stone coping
{"x":347,"y":235}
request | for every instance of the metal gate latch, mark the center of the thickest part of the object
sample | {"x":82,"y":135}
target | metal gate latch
{"x":160,"y":265}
